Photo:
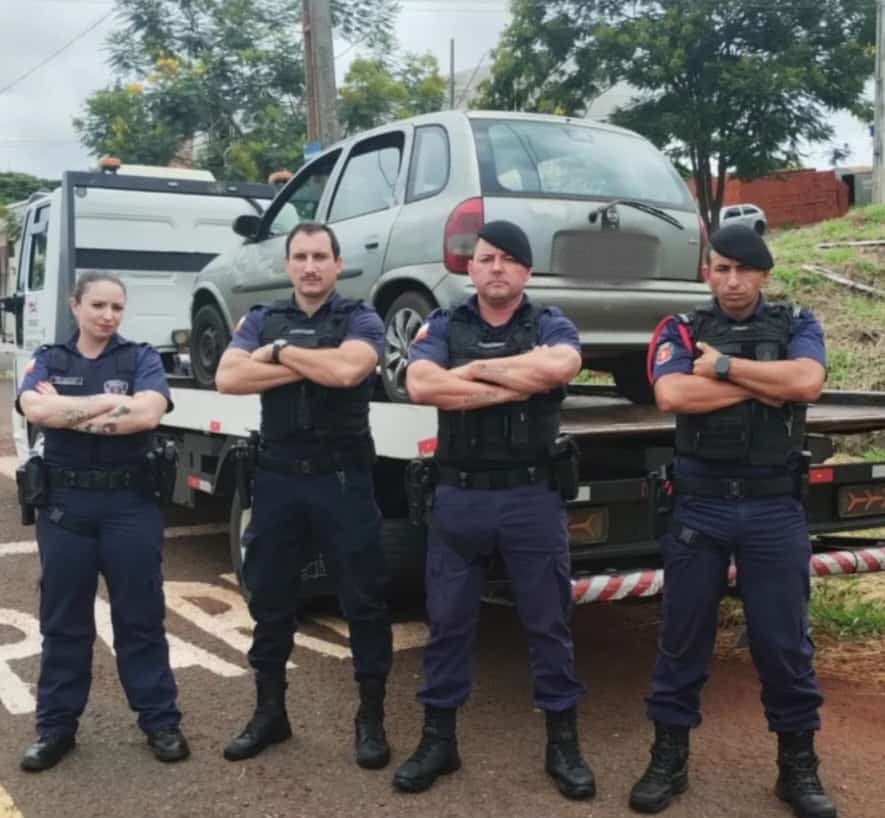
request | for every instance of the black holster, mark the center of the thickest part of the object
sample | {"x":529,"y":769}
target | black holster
{"x":420,"y":482}
{"x":245,"y":461}
{"x":565,"y":458}
{"x":161,"y":469}
{"x":660,"y":500}
{"x":32,"y":481}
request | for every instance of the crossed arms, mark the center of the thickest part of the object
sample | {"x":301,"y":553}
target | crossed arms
{"x":799,"y":380}
{"x":492,"y":381}
{"x":244,"y":373}
{"x":100,"y":414}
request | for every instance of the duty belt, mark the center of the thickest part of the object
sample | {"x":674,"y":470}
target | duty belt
{"x":736,"y":489}
{"x":320,"y":464}
{"x":495,"y":479}
{"x":94,"y":478}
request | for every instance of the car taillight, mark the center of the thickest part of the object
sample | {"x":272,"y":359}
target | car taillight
{"x":703,"y":242}
{"x":459,"y":238}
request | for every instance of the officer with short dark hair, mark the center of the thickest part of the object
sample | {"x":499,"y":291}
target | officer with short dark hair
{"x":97,"y":398}
{"x":312,"y":357}
{"x":737,"y":374}
{"x":496,"y":367}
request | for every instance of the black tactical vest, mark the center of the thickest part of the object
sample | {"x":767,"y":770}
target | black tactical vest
{"x":508,"y":435}
{"x":73,"y":375}
{"x":306,"y":411}
{"x":750,"y":432}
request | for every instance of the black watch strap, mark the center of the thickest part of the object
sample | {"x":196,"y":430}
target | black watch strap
{"x":278,"y":347}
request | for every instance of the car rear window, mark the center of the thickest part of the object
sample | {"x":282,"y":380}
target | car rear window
{"x":556,"y":159}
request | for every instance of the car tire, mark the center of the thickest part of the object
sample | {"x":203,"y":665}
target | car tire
{"x":209,"y":338}
{"x":401,"y":321}
{"x":759,"y":227}
{"x":632,"y":382}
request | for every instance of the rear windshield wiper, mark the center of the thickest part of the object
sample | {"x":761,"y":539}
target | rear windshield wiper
{"x":645,"y":208}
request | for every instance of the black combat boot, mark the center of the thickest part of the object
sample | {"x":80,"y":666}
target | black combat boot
{"x":372,"y":749}
{"x":798,"y":783}
{"x":269,"y":725}
{"x":667,"y":772}
{"x":564,"y":762}
{"x":437,"y":752}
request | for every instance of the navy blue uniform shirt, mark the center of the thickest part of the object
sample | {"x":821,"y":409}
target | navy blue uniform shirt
{"x":672,"y":356}
{"x":149,"y":374}
{"x":364,"y":325}
{"x":432,"y":340}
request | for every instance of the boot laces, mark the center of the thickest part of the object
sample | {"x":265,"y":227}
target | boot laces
{"x":663,"y":760}
{"x":429,"y":740}
{"x":571,"y":754}
{"x":803,"y":769}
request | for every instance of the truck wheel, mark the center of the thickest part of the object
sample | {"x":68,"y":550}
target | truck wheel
{"x":401,"y":321}
{"x":631,"y":380}
{"x":759,"y":227}
{"x":209,"y":338}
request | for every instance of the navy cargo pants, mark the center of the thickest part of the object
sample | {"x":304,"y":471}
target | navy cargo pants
{"x":337,"y":513}
{"x":769,"y":541}
{"x":527,"y":526}
{"x":120,"y":536}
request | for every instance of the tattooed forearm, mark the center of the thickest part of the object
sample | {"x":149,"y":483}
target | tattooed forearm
{"x":71,"y":417}
{"x":120,"y":411}
{"x":109,"y":429}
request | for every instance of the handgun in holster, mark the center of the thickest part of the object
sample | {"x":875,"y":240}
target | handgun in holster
{"x":245,"y":461}
{"x":660,"y":499}
{"x":565,"y":458}
{"x":420,"y":482}
{"x":161,"y":471}
{"x":32,"y":481}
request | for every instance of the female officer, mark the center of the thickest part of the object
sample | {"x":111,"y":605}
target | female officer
{"x":97,"y":398}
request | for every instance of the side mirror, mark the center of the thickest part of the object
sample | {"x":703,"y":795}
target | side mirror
{"x":247,"y":225}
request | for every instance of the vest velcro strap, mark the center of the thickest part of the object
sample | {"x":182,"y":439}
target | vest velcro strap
{"x":496,"y":479}
{"x":737,"y":488}
{"x":98,"y":479}
{"x":362,"y":455}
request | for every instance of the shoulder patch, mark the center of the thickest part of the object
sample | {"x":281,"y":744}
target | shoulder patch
{"x":29,"y":367}
{"x":422,"y":332}
{"x":240,"y":323}
{"x":664,"y":353}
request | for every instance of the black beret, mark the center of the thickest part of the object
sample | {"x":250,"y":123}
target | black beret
{"x":741,"y":243}
{"x":508,"y":237}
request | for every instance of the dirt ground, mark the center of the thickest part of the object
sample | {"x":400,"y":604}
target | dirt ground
{"x":111,"y":773}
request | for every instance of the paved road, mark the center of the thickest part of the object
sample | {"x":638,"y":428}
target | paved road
{"x":112,"y":774}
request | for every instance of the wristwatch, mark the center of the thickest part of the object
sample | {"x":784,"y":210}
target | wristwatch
{"x":278,"y":346}
{"x":721,"y":367}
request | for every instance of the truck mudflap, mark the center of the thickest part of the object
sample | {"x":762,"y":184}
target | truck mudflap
{"x":609,"y":586}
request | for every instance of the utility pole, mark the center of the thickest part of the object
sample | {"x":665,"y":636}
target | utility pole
{"x":879,"y":114}
{"x":319,"y":72}
{"x":452,"y":73}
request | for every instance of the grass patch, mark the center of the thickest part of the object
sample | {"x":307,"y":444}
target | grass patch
{"x":874,"y":455}
{"x":591,"y":376}
{"x":838,"y":607}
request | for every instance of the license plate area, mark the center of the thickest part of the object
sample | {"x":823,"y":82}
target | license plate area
{"x":865,"y":500}
{"x":606,"y":256}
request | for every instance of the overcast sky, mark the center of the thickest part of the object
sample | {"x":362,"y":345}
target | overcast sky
{"x":36,"y":135}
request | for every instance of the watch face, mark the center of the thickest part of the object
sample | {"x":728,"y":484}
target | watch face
{"x":721,"y":366}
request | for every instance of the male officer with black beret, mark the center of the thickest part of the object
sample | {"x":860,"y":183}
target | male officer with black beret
{"x":737,"y":374}
{"x":496,"y":367}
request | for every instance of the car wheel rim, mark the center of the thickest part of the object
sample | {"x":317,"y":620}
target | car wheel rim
{"x":400,"y":332}
{"x":208,"y":348}
{"x":245,"y":519}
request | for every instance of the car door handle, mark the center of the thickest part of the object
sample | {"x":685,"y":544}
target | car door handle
{"x":351,"y":272}
{"x":372,"y":245}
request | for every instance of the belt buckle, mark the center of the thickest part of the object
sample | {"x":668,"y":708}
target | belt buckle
{"x":463,"y":478}
{"x":305,"y":467}
{"x":736,"y":489}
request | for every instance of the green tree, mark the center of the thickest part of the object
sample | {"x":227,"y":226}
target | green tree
{"x":15,"y":187}
{"x":735,"y":87}
{"x":374,"y":93}
{"x":224,"y":78}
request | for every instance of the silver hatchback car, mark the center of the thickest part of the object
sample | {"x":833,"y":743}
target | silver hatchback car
{"x":615,"y":233}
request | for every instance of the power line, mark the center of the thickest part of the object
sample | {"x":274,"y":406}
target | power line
{"x":466,"y":89}
{"x":58,"y":51}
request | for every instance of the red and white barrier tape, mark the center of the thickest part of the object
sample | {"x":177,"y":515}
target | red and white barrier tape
{"x":603,"y":587}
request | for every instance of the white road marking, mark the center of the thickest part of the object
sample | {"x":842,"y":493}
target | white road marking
{"x":8,"y":466}
{"x":8,"y":808}
{"x":406,"y":635}
{"x":15,"y":695}
{"x":181,"y":653}
{"x":24,"y":547}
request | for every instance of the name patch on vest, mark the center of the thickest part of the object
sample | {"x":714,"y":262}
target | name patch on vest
{"x":66,"y":380}
{"x":115,"y":387}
